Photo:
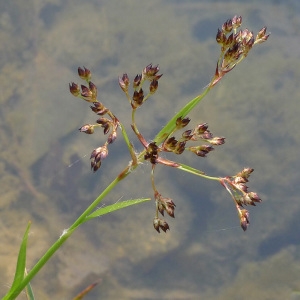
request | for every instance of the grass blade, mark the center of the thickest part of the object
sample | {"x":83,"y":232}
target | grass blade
{"x":29,"y":292}
{"x":116,"y":206}
{"x":21,"y":264}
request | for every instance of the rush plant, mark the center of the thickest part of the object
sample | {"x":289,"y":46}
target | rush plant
{"x":175,"y":136}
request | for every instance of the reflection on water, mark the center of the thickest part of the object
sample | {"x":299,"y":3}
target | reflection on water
{"x":44,"y":159}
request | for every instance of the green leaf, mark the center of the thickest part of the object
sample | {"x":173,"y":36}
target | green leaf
{"x":116,"y":206}
{"x":21,"y":264}
{"x":29,"y":292}
{"x":170,"y":126}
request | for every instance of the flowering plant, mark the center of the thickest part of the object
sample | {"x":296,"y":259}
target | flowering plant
{"x":235,"y":44}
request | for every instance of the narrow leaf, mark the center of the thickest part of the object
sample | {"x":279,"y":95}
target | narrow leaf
{"x":21,"y":263}
{"x":116,"y":206}
{"x":170,"y":126}
{"x":29,"y":292}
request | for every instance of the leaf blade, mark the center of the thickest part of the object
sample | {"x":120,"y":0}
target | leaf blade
{"x":113,"y":207}
{"x":21,"y":263}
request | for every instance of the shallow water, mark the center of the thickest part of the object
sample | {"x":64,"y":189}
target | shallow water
{"x":45,"y":160}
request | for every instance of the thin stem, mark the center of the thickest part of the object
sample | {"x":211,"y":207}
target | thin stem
{"x":129,"y":144}
{"x":67,"y":233}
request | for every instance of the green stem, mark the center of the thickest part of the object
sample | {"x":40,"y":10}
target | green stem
{"x":66,"y":234}
{"x":169,"y":127}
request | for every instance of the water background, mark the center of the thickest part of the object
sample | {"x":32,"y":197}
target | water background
{"x":44,"y":160}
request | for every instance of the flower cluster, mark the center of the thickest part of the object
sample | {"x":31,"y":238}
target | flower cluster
{"x":110,"y":124}
{"x":235,"y":45}
{"x":149,"y":73}
{"x":237,"y":188}
{"x":177,"y":146}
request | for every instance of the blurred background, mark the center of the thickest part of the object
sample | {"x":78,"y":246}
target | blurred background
{"x":45,"y":169}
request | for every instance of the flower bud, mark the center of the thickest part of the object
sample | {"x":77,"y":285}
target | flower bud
{"x":74,"y":89}
{"x":137,"y":81}
{"x":87,"y":128}
{"x":112,"y":137}
{"x":150,"y":72}
{"x":93,"y":89}
{"x":180,"y":147}
{"x":97,"y":156}
{"x":187,"y":135}
{"x":236,"y":21}
{"x":262,"y":36}
{"x":217,"y":141}
{"x":160,"y":224}
{"x":86,"y":94}
{"x":227,"y":26}
{"x":84,"y":73}
{"x":244,"y":219}
{"x":201,"y":128}
{"x":99,"y":108}
{"x":124,"y":82}
{"x":220,"y":37}
{"x":181,"y":123}
{"x":170,"y":144}
{"x":137,"y":98}
{"x":153,"y":86}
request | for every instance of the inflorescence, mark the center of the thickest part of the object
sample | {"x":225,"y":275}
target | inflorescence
{"x":235,"y":45}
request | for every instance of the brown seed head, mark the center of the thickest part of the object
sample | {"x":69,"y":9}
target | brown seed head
{"x":74,"y":89}
{"x":137,"y":98}
{"x":262,"y":36}
{"x":220,"y":37}
{"x":182,"y":122}
{"x":170,"y":144}
{"x":227,"y":26}
{"x":97,"y":156}
{"x":99,"y":108}
{"x":153,"y":86}
{"x":160,"y":224}
{"x":217,"y":141}
{"x":150,"y":73}
{"x":87,"y":94}
{"x":124,"y":82}
{"x":244,"y":219}
{"x":236,"y":22}
{"x":137,"y":81}
{"x":84,"y":73}
{"x":87,"y":128}
{"x":93,"y":89}
{"x":112,"y":137}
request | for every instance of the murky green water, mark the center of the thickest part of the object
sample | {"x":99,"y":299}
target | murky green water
{"x":44,"y":160}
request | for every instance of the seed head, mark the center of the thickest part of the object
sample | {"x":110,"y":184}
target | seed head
{"x":244,"y":219}
{"x":124,"y":82}
{"x":153,"y":86}
{"x":93,"y":89}
{"x":160,"y":224}
{"x":87,"y":94}
{"x":84,"y":73}
{"x":74,"y":89}
{"x":97,"y":156}
{"x":137,"y":99}
{"x":150,"y":73}
{"x":87,"y":128}
{"x":182,"y":122}
{"x":137,"y":81}
{"x":99,"y":108}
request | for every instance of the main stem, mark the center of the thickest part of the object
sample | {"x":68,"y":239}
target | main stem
{"x":67,"y":233}
{"x":81,"y":219}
